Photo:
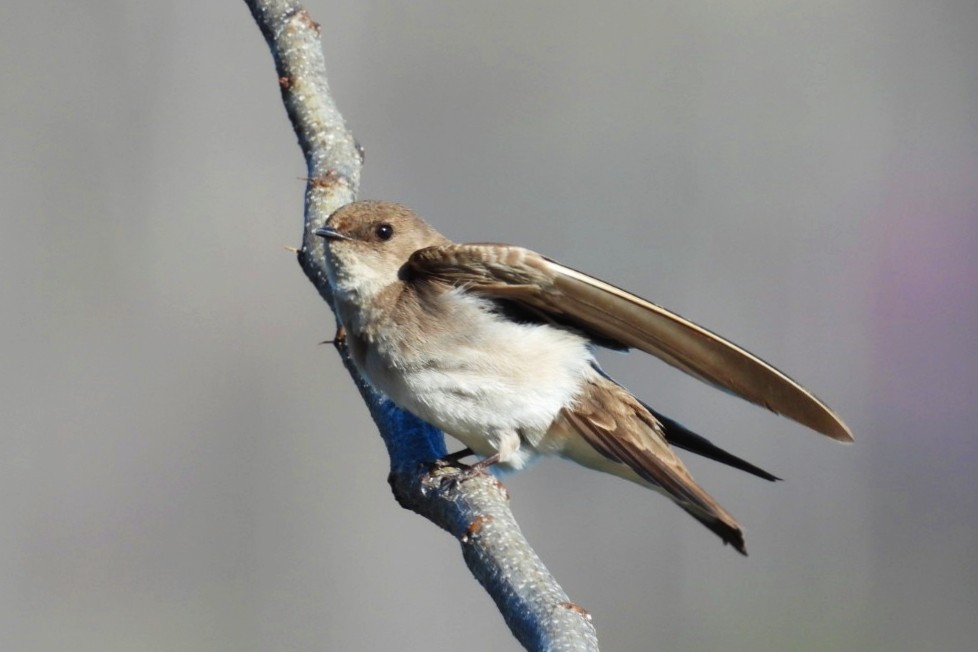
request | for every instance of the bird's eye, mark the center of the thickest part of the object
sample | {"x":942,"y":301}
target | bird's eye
{"x":384,"y":231}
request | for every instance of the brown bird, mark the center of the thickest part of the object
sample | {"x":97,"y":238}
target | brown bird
{"x":493,"y":344}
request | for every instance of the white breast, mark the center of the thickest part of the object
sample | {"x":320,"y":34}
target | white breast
{"x":488,"y":375}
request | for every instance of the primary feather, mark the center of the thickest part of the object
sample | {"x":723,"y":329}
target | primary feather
{"x":593,"y":306}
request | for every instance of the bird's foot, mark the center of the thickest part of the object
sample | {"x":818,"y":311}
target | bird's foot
{"x":464,"y":471}
{"x":454,"y":459}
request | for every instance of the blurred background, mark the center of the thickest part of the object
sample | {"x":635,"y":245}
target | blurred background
{"x":184,"y":468}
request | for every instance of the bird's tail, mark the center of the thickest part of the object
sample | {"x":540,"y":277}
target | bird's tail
{"x":616,"y":434}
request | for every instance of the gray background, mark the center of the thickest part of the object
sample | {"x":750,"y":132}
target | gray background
{"x":183,"y":468}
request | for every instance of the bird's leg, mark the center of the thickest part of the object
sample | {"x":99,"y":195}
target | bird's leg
{"x":466,"y":471}
{"x":453,"y":459}
{"x":486,"y":462}
{"x":507,"y":444}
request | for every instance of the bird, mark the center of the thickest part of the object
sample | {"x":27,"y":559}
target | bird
{"x":495,"y":344}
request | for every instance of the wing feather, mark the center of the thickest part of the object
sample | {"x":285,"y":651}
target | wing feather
{"x":618,"y":426}
{"x":609,"y":313}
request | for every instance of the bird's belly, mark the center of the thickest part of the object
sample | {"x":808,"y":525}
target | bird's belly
{"x":511,"y":378}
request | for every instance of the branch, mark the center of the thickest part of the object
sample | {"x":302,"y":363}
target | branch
{"x":474,"y":510}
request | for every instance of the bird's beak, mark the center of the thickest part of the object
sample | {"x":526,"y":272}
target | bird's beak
{"x":331,"y":234}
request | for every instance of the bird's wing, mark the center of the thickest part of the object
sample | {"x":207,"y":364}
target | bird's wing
{"x":606,"y":312}
{"x":616,"y":425}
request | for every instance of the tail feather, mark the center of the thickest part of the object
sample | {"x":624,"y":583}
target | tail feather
{"x":617,"y":434}
{"x":729,"y":531}
{"x":682,"y":437}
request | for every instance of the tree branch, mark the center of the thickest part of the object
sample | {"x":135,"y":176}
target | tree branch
{"x":474,"y":510}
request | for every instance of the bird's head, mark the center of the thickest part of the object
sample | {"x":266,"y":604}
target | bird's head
{"x":367,"y":243}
